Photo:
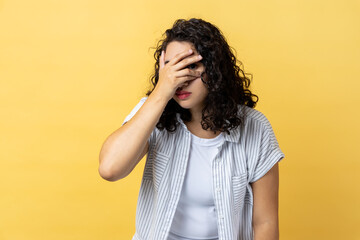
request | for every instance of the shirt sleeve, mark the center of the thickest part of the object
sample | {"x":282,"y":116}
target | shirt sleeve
{"x":267,"y":151}
{"x":151,"y":138}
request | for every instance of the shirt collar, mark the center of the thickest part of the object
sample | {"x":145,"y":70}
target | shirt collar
{"x":233,"y":137}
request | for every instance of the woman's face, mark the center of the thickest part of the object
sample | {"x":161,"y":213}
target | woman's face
{"x":194,"y":101}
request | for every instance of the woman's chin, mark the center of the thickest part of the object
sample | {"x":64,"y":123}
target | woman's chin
{"x":182,"y":103}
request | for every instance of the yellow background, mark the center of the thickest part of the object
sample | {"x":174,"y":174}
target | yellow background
{"x":71,"y":71}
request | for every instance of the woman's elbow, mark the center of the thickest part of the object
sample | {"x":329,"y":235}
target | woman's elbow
{"x":109,"y":174}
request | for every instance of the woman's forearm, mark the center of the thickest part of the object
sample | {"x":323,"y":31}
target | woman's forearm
{"x":121,"y":150}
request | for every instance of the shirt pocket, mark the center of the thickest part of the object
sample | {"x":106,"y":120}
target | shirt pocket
{"x":239,"y":183}
{"x":155,"y":170}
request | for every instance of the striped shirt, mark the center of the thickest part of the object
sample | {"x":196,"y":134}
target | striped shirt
{"x":244,"y":156}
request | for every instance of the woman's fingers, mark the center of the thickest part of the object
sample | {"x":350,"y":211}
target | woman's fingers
{"x":162,"y":61}
{"x":187,"y":75}
{"x":181,"y":60}
{"x":175,"y":73}
{"x":184,"y":79}
{"x":180,"y":56}
{"x":187,"y":61}
{"x":187,"y":72}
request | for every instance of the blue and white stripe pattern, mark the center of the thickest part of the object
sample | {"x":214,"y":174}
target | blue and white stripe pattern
{"x":245,"y":156}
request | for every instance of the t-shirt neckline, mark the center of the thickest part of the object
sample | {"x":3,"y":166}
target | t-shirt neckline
{"x":207,"y":141}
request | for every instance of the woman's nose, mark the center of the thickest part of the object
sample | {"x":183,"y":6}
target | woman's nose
{"x":184,"y":85}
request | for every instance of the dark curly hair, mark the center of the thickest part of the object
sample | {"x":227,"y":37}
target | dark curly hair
{"x":227,"y":83}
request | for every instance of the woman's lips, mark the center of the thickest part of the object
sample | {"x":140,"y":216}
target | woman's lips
{"x":183,"y":94}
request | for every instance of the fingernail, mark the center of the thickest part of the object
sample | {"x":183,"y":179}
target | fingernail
{"x":190,"y":50}
{"x":199,"y":57}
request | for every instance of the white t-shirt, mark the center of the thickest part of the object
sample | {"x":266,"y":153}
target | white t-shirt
{"x":196,"y":216}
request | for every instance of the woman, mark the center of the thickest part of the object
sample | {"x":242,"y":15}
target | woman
{"x":211,"y":170}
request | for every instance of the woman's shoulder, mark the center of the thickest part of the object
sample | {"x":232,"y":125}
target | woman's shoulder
{"x":258,"y":128}
{"x":253,"y":115}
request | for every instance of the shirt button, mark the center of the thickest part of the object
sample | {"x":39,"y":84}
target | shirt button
{"x":218,"y":189}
